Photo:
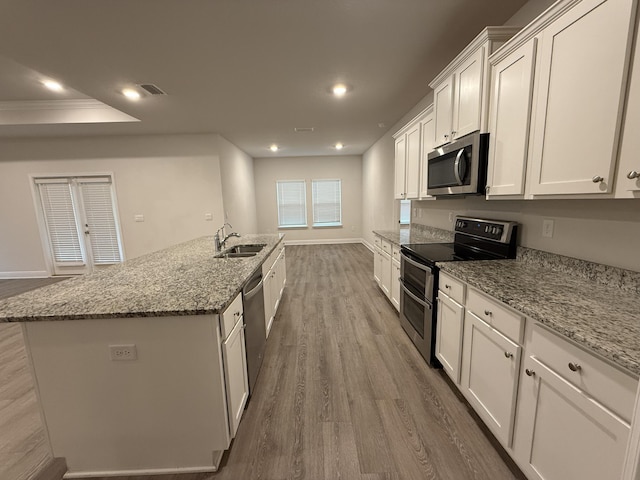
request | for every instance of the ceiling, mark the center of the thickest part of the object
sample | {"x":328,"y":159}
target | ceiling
{"x":250,"y":70}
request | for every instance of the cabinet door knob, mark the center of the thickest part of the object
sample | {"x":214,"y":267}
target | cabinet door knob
{"x":574,"y":367}
{"x":597,"y":179}
{"x":447,"y":286}
{"x":508,"y":354}
{"x":446,"y":135}
{"x":488,"y":313}
{"x":632,"y":175}
{"x":453,"y":134}
{"x":530,"y":373}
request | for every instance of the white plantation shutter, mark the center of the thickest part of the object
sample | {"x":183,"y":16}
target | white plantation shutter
{"x":327,"y":203}
{"x":60,"y":218}
{"x":292,"y":203}
{"x":101,"y":222}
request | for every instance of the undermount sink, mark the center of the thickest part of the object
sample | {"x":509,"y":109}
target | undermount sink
{"x":254,"y":248}
{"x":241,"y":251}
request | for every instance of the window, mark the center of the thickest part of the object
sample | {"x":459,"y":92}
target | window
{"x":292,"y":203}
{"x":327,"y":203}
{"x":80,"y":222}
{"x":405,"y":212}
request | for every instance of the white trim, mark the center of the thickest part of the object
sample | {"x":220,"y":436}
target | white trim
{"x":368,"y":245}
{"x":24,"y":274}
{"x":142,"y":472}
{"x":328,"y":241}
{"x":54,"y":105}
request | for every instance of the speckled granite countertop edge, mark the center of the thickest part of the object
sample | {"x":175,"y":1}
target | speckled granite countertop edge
{"x":576,"y":308}
{"x":181,"y":280}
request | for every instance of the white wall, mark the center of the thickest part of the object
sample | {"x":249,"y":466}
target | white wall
{"x":172,"y":180}
{"x":601,"y":231}
{"x":238,"y":187}
{"x":529,"y":11}
{"x":348,"y":168}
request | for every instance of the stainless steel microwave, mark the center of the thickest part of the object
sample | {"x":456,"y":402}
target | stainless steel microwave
{"x":459,"y":168}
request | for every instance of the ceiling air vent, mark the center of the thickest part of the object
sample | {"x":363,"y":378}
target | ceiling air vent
{"x":152,"y":89}
{"x":303,"y":129}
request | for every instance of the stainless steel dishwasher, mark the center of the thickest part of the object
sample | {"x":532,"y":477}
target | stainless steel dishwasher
{"x":255,"y":336}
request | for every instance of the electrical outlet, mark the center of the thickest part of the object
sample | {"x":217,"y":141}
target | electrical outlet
{"x":208,"y":216}
{"x":139,"y":218}
{"x":123,"y":352}
{"x":547,"y":228}
{"x":450,"y":217}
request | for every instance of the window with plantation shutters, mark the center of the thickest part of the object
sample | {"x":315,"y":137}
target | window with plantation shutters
{"x":327,"y":203}
{"x":292,"y":203}
{"x":100,"y":221}
{"x":80,"y":221}
{"x":60,"y":219}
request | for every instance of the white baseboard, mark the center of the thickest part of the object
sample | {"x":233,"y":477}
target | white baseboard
{"x":127,"y":473}
{"x":329,"y":241}
{"x":368,"y":245}
{"x":16,"y":275}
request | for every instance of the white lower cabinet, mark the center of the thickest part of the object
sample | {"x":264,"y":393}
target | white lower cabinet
{"x":274,"y":277}
{"x":449,"y":330}
{"x":234,"y":355}
{"x":377,"y":266}
{"x":395,"y":284}
{"x":561,"y":412}
{"x":567,"y":434}
{"x":385,"y":274}
{"x":490,"y":376}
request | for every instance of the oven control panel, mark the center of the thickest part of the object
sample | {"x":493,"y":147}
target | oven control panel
{"x":496,"y":230}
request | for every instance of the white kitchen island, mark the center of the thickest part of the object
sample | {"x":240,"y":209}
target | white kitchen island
{"x":141,"y":368}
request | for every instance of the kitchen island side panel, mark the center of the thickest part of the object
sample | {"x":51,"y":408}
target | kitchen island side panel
{"x":164,"y":411}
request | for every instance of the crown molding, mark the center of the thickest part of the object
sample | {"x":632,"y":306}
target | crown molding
{"x":423,"y":113}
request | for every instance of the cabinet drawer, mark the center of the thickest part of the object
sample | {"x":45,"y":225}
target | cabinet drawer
{"x":395,"y":252}
{"x":496,"y":315}
{"x":386,"y":247}
{"x":377,"y":241}
{"x":230,"y":316}
{"x":453,"y":287}
{"x":608,"y":385}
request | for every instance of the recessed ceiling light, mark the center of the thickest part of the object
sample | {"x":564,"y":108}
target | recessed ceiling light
{"x":273,"y":148}
{"x":339,"y":146}
{"x":131,"y":94}
{"x":53,"y":85}
{"x":339,"y":89}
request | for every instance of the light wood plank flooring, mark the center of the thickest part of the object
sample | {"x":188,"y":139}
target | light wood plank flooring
{"x":23,"y":447}
{"x":344,"y":394}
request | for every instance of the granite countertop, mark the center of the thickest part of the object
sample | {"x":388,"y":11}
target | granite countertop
{"x":416,"y":233}
{"x":603,"y":318}
{"x":184,"y":279}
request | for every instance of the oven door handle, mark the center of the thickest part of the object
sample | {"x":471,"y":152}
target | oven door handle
{"x":421,"y":266}
{"x":420,"y":301}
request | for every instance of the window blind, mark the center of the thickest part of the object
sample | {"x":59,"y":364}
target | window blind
{"x":327,"y":203}
{"x":405,"y":212}
{"x":101,"y":222}
{"x":292,"y":203}
{"x":60,"y":219}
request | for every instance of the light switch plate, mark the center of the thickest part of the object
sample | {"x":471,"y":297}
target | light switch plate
{"x":547,"y":228}
{"x":208,"y":216}
{"x":139,"y":218}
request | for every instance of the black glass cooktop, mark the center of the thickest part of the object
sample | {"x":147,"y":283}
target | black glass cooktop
{"x":430,"y":253}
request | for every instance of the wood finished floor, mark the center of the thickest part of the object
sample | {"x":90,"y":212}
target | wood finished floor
{"x":23,"y":447}
{"x":343,"y":394}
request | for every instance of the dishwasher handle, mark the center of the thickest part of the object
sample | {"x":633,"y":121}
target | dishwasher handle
{"x":251,"y":293}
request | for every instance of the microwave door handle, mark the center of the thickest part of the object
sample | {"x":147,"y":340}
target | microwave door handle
{"x":456,"y":166}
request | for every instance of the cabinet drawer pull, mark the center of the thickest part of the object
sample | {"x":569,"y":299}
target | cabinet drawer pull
{"x":236,"y":314}
{"x":447,"y":286}
{"x":597,"y":179}
{"x":633,"y":175}
{"x":530,"y":373}
{"x":508,"y":354}
{"x":488,"y":313}
{"x":574,"y":367}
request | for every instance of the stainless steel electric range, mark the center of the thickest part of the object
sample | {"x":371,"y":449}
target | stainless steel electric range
{"x":475,"y":239}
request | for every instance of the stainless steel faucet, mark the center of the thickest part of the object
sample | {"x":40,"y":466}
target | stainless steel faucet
{"x":220,"y":243}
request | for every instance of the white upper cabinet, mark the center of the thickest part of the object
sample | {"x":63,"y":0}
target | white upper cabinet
{"x":581,"y":81}
{"x":509,"y":120}
{"x":427,"y":138}
{"x":409,"y":154}
{"x":628,"y":176}
{"x":460,"y":92}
